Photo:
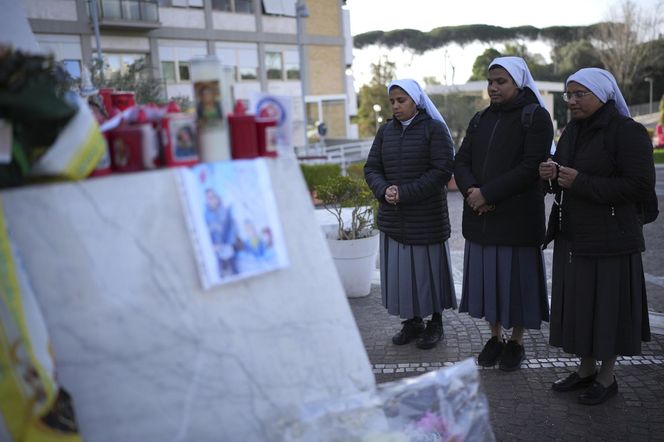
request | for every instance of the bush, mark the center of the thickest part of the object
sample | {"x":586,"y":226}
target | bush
{"x":345,"y":191}
{"x":356,"y":170}
{"x":658,"y":155}
{"x":318,"y":174}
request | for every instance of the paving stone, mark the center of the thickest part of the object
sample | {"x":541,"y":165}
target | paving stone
{"x":522,"y":404}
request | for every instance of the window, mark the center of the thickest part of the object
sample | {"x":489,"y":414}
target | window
{"x":292,"y":65}
{"x":183,"y":70}
{"x":222,"y":5}
{"x":245,"y":6}
{"x":175,"y":56}
{"x":273,"y":65}
{"x":282,"y":62}
{"x":247,"y":64}
{"x":73,"y":68}
{"x":168,"y":71}
{"x":240,"y":6}
{"x":116,"y":65}
{"x":242,"y":57}
{"x":279,"y":7}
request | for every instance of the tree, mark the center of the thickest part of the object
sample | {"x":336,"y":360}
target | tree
{"x":431,"y":81}
{"x":136,"y":78}
{"x":482,"y":63}
{"x":622,"y":40}
{"x":375,"y":93}
{"x":458,"y":109}
{"x":535,"y":62}
{"x":569,"y":57}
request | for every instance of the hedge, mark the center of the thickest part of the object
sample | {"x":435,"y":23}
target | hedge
{"x":318,"y":174}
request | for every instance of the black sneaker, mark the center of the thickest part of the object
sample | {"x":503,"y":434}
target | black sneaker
{"x":491,"y":352}
{"x":411,"y":329}
{"x":512,"y":357}
{"x":430,"y":336}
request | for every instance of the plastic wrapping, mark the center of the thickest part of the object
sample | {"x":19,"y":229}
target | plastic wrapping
{"x":444,"y":405}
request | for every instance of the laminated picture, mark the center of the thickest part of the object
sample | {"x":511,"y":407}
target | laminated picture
{"x":233,"y":221}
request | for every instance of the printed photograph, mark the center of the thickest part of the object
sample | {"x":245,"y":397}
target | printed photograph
{"x":233,"y":220}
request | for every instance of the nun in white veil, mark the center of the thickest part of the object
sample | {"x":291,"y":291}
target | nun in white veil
{"x":496,"y":170}
{"x":409,"y":165}
{"x":603,"y":178}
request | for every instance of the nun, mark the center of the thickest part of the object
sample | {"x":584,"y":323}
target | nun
{"x":497,"y":172}
{"x":602,"y":175}
{"x":410,"y":162}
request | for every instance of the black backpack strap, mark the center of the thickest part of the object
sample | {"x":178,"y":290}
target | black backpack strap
{"x":527,"y":113}
{"x":475,"y":121}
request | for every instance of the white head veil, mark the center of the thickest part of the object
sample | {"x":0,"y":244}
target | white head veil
{"x":602,"y":84}
{"x":420,"y":98}
{"x":518,"y":70}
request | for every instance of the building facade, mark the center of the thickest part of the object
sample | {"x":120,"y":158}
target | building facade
{"x":257,"y":39}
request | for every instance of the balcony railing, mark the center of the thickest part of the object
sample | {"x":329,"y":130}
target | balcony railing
{"x":131,"y":13}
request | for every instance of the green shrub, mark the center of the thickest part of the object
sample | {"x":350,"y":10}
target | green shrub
{"x":345,"y":191}
{"x":318,"y":174}
{"x":356,"y":170}
{"x":658,"y":155}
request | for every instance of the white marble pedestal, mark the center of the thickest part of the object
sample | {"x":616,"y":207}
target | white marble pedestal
{"x":146,"y":354}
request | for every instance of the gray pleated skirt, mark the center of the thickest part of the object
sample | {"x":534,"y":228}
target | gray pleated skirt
{"x":599,"y":307}
{"x":505,"y":284}
{"x":415,"y":280}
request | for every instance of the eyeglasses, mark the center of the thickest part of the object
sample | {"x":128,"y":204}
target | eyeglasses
{"x":567,"y":96}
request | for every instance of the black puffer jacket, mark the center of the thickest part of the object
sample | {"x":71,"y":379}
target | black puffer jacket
{"x":601,"y":212}
{"x":502,"y":158}
{"x":419,"y":160}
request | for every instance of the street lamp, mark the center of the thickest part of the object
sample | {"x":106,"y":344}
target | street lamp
{"x":377,"y":109}
{"x":650,"y":80}
{"x":301,"y":12}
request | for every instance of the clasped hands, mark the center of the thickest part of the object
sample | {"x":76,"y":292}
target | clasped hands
{"x":477,"y":202}
{"x":392,"y":194}
{"x":564,"y":176}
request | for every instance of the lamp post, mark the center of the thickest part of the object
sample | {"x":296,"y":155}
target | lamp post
{"x":302,"y":12}
{"x":649,"y":80}
{"x":377,"y":109}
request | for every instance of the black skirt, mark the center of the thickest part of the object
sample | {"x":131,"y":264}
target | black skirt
{"x":599,"y":307}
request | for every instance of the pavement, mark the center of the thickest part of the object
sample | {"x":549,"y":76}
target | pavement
{"x":522,"y":404}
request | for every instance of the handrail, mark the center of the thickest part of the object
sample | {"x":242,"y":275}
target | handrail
{"x":342,"y":154}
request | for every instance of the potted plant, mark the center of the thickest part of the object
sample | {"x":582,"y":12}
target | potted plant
{"x":353,"y":242}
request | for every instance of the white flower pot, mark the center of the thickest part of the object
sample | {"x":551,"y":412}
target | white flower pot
{"x":355,"y":260}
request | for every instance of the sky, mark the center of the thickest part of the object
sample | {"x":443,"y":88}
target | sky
{"x":453,"y":64}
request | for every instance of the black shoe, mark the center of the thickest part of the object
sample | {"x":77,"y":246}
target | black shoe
{"x":491,"y":352}
{"x":430,"y":336}
{"x":573,"y":382}
{"x":598,"y":393}
{"x":411,"y":329}
{"x":512,"y":356}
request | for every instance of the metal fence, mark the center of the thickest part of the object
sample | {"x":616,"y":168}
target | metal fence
{"x":643,"y":108}
{"x":341,"y":154}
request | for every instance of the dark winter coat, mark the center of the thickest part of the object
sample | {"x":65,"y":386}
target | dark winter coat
{"x":501,"y":157}
{"x":602,"y":211}
{"x":419,"y":160}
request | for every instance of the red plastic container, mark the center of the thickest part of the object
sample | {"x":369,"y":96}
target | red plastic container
{"x":244,"y":139}
{"x":265,"y":134}
{"x":105,"y":93}
{"x":178,"y":139}
{"x":123,"y":100}
{"x":133,"y":147}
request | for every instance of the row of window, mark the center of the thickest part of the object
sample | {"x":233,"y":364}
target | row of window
{"x":278,"y":65}
{"x":273,"y":7}
{"x":281,"y":63}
